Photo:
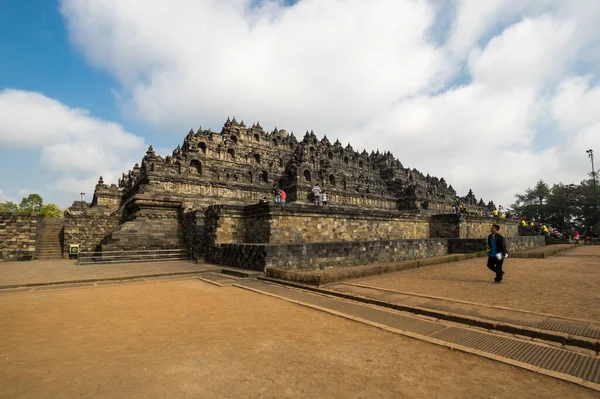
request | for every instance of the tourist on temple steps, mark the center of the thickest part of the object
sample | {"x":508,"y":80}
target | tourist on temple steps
{"x":496,"y":244}
{"x":324,"y":198}
{"x":275,"y":193}
{"x":282,"y":196}
{"x":316,"y":191}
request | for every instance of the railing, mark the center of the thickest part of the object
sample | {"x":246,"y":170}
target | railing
{"x":146,"y":255}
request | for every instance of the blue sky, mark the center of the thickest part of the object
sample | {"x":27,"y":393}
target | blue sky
{"x":86,"y":85}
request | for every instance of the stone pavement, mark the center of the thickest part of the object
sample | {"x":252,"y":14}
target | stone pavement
{"x":40,"y":272}
{"x":536,"y":355}
{"x":565,"y":286}
{"x":581,"y":333}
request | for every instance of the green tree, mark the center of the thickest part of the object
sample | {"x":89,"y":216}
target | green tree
{"x":588,"y":208}
{"x":533,"y":202}
{"x":32,"y":204}
{"x":51,"y":210}
{"x":562,"y":208}
{"x":8,"y":207}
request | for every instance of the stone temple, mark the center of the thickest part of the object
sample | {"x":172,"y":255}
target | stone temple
{"x":204,"y":198}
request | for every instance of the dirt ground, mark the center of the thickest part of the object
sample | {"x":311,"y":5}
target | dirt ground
{"x":48,"y":271}
{"x":189,"y":339}
{"x":564,"y":285}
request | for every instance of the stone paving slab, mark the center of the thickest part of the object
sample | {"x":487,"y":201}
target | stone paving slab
{"x":557,"y":362}
{"x":512,"y":316}
{"x":562,"y":285}
{"x":41,"y":272}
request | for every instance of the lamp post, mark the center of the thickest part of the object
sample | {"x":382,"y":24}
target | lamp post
{"x":590,"y":153}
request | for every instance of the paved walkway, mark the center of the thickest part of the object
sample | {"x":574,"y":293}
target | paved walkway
{"x":565,"y":286}
{"x":529,"y":322}
{"x":62,"y":270}
{"x":519,"y":351}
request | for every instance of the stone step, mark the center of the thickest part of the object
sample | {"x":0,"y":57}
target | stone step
{"x":49,"y":248}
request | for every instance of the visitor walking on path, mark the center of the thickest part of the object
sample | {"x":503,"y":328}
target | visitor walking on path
{"x":496,"y":244}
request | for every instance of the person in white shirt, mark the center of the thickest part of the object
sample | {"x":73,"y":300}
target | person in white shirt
{"x":316,"y":190}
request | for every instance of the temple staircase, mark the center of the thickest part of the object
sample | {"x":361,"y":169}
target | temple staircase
{"x":50,"y":239}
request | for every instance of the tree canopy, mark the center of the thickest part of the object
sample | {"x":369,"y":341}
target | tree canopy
{"x":33,"y":203}
{"x":567,"y":207}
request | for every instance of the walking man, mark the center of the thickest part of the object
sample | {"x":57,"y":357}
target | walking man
{"x":496,"y":244}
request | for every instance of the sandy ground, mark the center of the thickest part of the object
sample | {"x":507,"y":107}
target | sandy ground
{"x":189,"y":339}
{"x":46,"y":271}
{"x":561,"y":285}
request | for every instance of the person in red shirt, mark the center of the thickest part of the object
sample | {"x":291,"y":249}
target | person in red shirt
{"x":282,"y":196}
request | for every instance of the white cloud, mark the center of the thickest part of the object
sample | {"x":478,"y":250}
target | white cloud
{"x":6,"y":198}
{"x":72,"y":143}
{"x":369,"y":73}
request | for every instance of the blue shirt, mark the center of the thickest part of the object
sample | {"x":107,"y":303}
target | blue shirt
{"x":493,"y":246}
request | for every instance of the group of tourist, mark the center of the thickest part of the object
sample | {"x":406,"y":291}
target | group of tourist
{"x":318,"y":196}
{"x":279,"y":196}
{"x":544,"y":229}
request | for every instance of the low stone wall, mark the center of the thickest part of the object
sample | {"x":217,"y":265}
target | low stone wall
{"x":315,"y":256}
{"x":324,"y":255}
{"x":469,"y":245}
{"x":470,"y":226}
{"x":18,"y":236}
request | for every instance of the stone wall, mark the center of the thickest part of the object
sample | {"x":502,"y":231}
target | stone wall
{"x":469,"y":245}
{"x":322,"y":255}
{"x":295,"y":223}
{"x":88,"y":230}
{"x":469,"y":226}
{"x":331,"y":224}
{"x":479,"y":226}
{"x":195,"y":232}
{"x":18,"y":235}
{"x":225,"y":224}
